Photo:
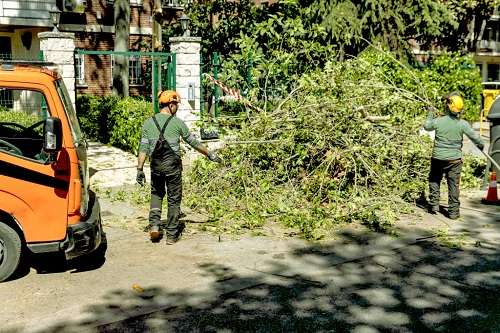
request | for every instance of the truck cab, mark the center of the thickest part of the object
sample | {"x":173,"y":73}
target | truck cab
{"x":45,"y":201}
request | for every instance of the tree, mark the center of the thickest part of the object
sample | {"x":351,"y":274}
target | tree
{"x":120,"y":68}
{"x":351,"y":24}
{"x":470,"y":16}
{"x":442,"y":23}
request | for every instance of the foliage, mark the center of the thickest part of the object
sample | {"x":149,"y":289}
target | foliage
{"x":453,"y":241}
{"x":218,"y":22}
{"x":128,"y":117}
{"x":442,"y":74}
{"x":322,"y":161}
{"x":268,"y":61}
{"x":112,"y":120}
{"x":473,"y":172}
{"x":93,"y":114}
{"x":350,"y":24}
{"x":454,"y":72}
{"x":469,"y":16}
{"x":17,"y":117}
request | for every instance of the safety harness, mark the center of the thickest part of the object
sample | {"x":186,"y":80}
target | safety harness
{"x":163,"y":158}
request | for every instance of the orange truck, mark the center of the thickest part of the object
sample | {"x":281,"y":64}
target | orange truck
{"x":45,"y":201}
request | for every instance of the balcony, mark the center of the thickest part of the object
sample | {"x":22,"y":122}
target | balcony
{"x":175,"y":4}
{"x":488,"y":46}
{"x":26,"y":13}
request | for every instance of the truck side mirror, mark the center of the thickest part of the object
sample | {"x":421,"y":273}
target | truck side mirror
{"x":52,"y":135}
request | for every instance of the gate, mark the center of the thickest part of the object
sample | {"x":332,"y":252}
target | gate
{"x":149,"y":72}
{"x":215,"y":95}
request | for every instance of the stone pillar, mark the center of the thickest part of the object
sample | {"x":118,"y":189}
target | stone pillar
{"x":187,"y":50}
{"x":59,"y":48}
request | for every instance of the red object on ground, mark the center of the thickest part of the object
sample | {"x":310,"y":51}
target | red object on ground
{"x":492,"y":194}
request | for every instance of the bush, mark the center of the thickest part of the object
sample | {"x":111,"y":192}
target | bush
{"x":94,"y":115}
{"x":127,"y":118}
{"x":17,"y":117}
{"x":112,"y":120}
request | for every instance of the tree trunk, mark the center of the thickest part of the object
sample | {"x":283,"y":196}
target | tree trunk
{"x":120,"y":68}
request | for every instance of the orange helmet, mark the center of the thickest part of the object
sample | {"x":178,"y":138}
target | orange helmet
{"x":168,"y":96}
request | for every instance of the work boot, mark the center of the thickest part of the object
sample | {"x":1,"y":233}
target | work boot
{"x":155,"y":233}
{"x":171,"y":240}
{"x":433,"y":210}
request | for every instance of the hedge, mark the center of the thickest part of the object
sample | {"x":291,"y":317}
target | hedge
{"x":112,"y":120}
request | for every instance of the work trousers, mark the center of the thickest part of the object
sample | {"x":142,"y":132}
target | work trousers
{"x":173,"y":185}
{"x":451,"y":170}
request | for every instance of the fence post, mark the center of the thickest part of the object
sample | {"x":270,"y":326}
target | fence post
{"x":202,"y":95}
{"x":59,"y":48}
{"x":155,"y":78}
{"x":216,"y":91}
{"x":186,"y":61}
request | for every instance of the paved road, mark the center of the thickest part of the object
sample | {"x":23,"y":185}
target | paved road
{"x":358,"y":283}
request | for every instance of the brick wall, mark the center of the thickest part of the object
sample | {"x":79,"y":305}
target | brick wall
{"x":140,"y":15}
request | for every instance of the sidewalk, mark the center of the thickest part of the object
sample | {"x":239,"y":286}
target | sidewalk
{"x":112,"y":167}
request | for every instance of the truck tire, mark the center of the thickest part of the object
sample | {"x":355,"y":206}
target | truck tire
{"x":10,"y":251}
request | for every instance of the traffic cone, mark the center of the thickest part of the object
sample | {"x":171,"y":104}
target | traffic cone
{"x":492,"y":195}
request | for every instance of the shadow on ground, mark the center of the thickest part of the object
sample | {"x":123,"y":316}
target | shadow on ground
{"x":361,"y":283}
{"x":47,"y":263}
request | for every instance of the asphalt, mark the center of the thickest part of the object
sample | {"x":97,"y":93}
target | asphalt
{"x":436,"y":275}
{"x":360,"y":282}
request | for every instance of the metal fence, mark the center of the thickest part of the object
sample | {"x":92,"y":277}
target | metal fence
{"x":149,"y":72}
{"x":212,"y":95}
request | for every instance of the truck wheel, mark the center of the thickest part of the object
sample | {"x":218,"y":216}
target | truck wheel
{"x":10,"y":251}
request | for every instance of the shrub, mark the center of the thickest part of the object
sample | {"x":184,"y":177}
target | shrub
{"x":94,"y":116}
{"x":112,"y":120}
{"x":17,"y":117}
{"x":127,"y":117}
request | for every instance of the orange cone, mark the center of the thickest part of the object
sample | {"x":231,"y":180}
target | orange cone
{"x":492,"y":195}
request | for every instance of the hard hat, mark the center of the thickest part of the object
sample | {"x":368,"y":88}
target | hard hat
{"x":168,"y":96}
{"x":455,"y":102}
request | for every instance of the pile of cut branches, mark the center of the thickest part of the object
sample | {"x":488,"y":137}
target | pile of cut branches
{"x":344,"y":146}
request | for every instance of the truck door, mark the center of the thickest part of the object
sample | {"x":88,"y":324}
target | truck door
{"x":32,"y":189}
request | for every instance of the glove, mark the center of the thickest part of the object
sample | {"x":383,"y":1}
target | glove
{"x":212,"y":156}
{"x":141,"y":177}
{"x":430,"y":109}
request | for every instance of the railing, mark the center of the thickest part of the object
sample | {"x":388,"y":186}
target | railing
{"x":175,"y":3}
{"x":34,"y":9}
{"x":488,"y":46}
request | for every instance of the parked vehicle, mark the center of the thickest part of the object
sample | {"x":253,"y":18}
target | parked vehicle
{"x":45,"y":201}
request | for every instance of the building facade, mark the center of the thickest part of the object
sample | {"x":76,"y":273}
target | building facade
{"x":92,"y":23}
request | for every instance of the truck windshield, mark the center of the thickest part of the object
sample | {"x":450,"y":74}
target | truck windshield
{"x":70,"y":112}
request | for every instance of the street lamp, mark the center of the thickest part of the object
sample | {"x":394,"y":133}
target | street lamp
{"x":55,"y":16}
{"x":185,"y":25}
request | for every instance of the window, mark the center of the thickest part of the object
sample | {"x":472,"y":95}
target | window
{"x":22,"y":116}
{"x":134,"y":70}
{"x":5,"y":48}
{"x":493,"y":71}
{"x":80,"y":69}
